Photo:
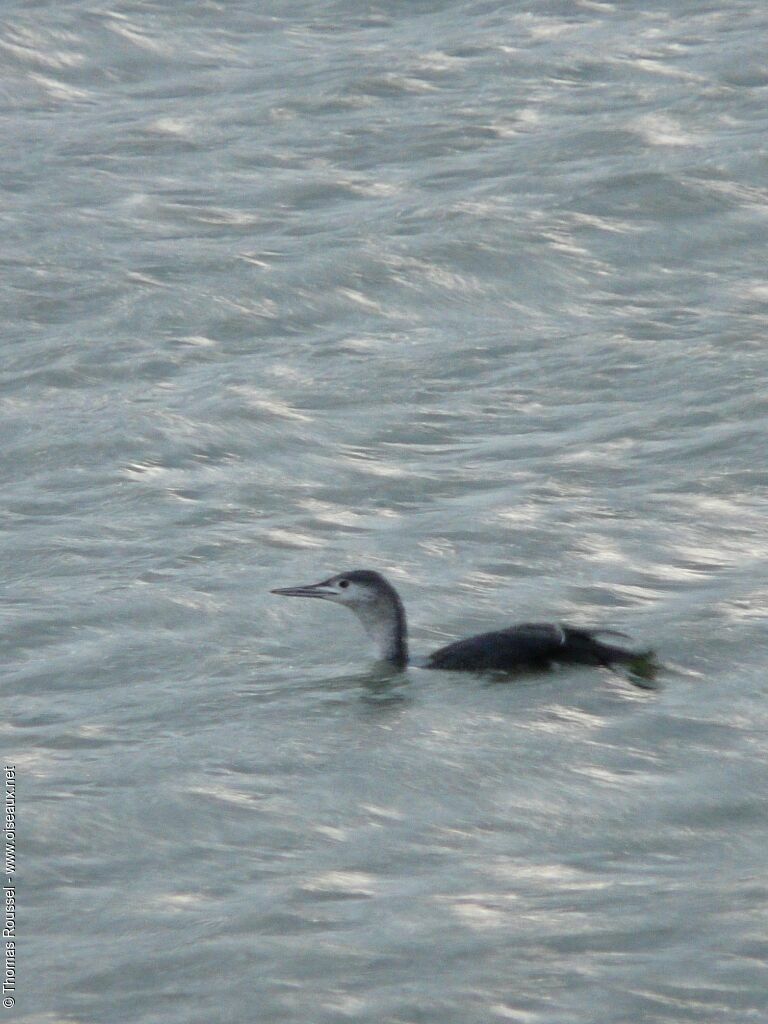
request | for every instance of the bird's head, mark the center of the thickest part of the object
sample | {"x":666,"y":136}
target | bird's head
{"x":355,"y":589}
{"x":373,"y":600}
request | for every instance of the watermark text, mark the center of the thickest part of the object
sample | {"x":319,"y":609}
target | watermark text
{"x":9,"y":890}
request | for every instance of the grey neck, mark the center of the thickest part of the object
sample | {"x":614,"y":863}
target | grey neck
{"x":384,"y":622}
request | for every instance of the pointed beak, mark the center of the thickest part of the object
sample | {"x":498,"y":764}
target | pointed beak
{"x":313,"y":590}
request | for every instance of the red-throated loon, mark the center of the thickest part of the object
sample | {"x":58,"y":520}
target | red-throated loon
{"x":524,"y":647}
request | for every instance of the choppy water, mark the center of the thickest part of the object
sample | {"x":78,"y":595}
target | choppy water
{"x":471,"y":293}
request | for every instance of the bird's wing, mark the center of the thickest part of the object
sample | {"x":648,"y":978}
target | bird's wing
{"x":529,"y":645}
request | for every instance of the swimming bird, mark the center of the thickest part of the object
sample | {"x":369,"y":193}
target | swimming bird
{"x":525,"y":647}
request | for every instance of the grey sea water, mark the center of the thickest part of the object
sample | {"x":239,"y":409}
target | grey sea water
{"x":471,"y":293}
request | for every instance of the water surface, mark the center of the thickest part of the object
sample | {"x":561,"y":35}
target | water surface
{"x":471,"y":294}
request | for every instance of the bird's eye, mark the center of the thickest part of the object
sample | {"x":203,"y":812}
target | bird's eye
{"x":343,"y":584}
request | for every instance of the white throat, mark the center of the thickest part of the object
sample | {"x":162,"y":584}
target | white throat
{"x":380,"y":622}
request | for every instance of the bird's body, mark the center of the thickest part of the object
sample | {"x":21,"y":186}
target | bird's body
{"x":528,"y":646}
